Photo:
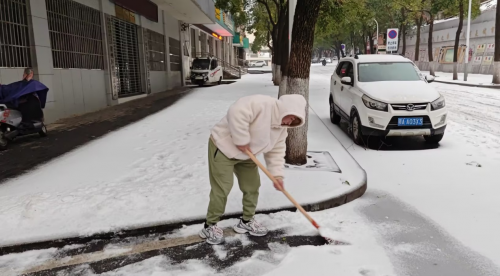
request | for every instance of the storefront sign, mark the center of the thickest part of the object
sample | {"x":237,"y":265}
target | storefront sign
{"x":228,"y":22}
{"x":217,"y":14}
{"x":490,"y":48}
{"x":145,"y":8}
{"x":487,"y":60}
{"x":219,"y":37}
{"x":124,"y":14}
{"x":480,"y":48}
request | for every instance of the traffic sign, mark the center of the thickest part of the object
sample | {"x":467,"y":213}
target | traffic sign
{"x":392,"y":40}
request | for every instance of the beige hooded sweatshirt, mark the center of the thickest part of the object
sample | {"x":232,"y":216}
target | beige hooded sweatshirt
{"x":256,"y":120}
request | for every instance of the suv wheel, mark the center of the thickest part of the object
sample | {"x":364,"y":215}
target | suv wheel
{"x":334,"y":117}
{"x":357,"y":135}
{"x":434,"y":139}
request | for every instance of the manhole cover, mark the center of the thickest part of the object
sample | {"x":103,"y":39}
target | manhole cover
{"x":317,"y":161}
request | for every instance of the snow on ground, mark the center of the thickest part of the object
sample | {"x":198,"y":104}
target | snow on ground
{"x":478,"y":79}
{"x":444,"y":184}
{"x":364,"y":256}
{"x":154,"y":172}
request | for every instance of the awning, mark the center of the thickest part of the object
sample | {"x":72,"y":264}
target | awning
{"x":189,"y":11}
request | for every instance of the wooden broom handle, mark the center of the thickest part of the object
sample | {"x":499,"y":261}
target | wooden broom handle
{"x":273,"y":179}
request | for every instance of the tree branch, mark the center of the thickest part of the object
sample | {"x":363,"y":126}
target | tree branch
{"x":268,"y":10}
{"x":269,"y":41}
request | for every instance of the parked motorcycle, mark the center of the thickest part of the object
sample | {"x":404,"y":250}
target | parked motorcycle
{"x":21,"y":113}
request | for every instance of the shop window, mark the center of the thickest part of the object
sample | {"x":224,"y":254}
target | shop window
{"x":75,"y":35}
{"x":156,"y":51}
{"x":14,"y":34}
{"x":175,"y":54}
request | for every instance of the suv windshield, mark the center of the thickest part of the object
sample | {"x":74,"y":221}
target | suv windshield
{"x":387,"y":71}
{"x":201,"y":64}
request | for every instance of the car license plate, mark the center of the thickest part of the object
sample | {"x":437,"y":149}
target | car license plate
{"x":410,"y":121}
{"x":199,"y":77}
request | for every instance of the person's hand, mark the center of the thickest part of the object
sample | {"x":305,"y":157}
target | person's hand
{"x":244,"y":148}
{"x":279,"y":185}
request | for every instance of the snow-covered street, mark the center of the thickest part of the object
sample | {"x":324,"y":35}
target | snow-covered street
{"x":427,"y":212}
{"x":455,"y":185}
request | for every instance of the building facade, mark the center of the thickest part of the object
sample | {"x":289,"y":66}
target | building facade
{"x":481,"y":48}
{"x":97,"y":53}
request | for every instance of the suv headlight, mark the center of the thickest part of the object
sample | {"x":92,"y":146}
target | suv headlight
{"x":373,"y":104}
{"x":438,"y":104}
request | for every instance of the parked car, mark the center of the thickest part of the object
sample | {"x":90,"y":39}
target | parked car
{"x":386,"y":95}
{"x":206,"y":71}
{"x":257,"y":63}
{"x":315,"y":60}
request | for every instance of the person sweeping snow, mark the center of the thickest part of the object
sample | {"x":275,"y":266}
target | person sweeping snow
{"x":257,"y":123}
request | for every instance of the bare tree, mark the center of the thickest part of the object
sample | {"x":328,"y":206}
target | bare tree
{"x":457,"y":38}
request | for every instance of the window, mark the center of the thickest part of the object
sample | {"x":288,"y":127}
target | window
{"x":343,"y":69}
{"x":387,"y":71}
{"x":156,"y":51}
{"x":175,"y":54}
{"x":214,"y":64}
{"x":75,"y":35}
{"x":193,"y":43}
{"x":201,"y":64}
{"x":14,"y":35}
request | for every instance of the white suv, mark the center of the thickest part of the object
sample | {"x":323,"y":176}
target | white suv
{"x":386,"y":95}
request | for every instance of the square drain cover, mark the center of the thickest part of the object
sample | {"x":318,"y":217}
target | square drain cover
{"x":317,"y":161}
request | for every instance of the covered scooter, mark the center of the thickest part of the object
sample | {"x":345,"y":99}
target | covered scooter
{"x":21,"y":105}
{"x":323,"y":62}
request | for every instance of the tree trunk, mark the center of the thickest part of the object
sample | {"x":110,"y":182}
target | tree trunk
{"x":457,"y":39}
{"x":284,"y":57}
{"x":429,"y":45}
{"x":496,"y":63}
{"x":417,"y":43}
{"x":403,"y":32}
{"x":277,"y":67}
{"x":370,"y":34}
{"x":304,"y":23}
{"x":273,"y":52}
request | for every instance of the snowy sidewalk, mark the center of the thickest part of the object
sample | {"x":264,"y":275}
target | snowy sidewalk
{"x":474,"y":80}
{"x":154,"y":172}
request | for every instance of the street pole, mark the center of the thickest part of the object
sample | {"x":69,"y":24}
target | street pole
{"x":376,"y":51}
{"x":467,"y":42}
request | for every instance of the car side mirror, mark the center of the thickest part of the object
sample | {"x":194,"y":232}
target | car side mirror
{"x":191,"y":67}
{"x":346,"y":80}
{"x":429,"y":78}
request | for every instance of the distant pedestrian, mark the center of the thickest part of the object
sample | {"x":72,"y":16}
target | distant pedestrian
{"x":257,"y":123}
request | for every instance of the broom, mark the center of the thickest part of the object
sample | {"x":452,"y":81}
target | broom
{"x":327,"y":234}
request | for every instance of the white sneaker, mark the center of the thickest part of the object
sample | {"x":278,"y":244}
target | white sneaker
{"x":252,"y":227}
{"x":212,"y":234}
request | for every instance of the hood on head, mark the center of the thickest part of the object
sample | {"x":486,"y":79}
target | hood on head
{"x":293,"y":104}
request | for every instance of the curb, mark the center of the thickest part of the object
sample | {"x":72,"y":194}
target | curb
{"x":470,"y":84}
{"x":169,"y":227}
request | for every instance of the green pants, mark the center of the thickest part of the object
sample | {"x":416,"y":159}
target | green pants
{"x":221,"y":171}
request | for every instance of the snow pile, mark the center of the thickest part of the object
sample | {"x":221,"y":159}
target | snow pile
{"x":15,"y":264}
